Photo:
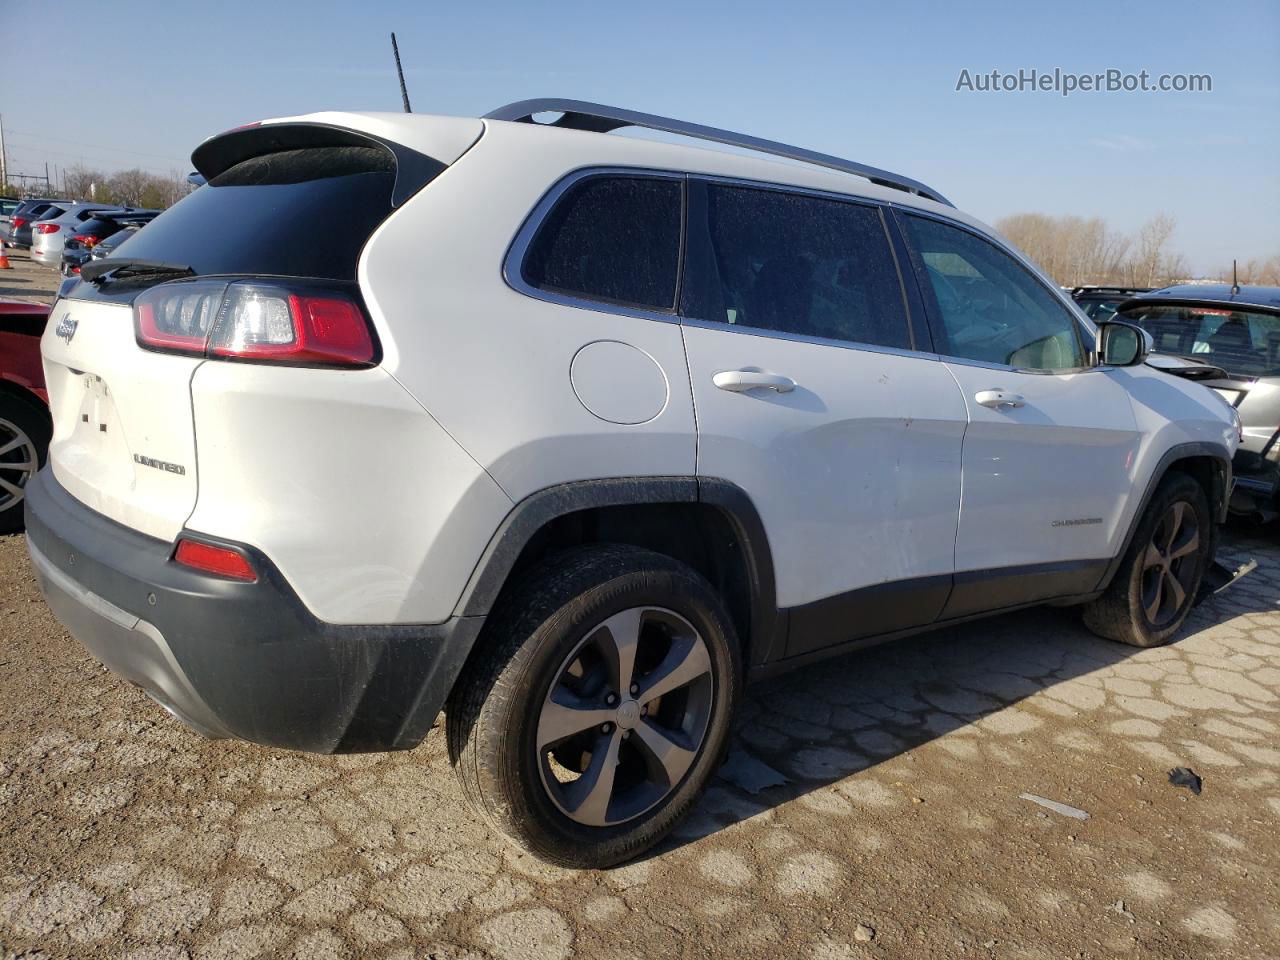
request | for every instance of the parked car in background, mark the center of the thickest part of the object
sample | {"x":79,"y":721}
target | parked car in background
{"x":49,"y":235}
{"x":25,"y":426}
{"x":1099,"y":303}
{"x":99,"y":230}
{"x":7,"y":206}
{"x":27,"y":213}
{"x":544,"y":535}
{"x":1228,"y":337}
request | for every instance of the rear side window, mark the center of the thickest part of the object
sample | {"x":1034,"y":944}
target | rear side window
{"x":615,"y":239}
{"x":295,"y":213}
{"x":796,"y":264}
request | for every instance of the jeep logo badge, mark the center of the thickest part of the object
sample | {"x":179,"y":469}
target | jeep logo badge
{"x":66,"y":328}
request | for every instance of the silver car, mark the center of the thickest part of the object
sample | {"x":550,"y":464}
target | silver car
{"x":7,"y":206}
{"x":48,"y":236}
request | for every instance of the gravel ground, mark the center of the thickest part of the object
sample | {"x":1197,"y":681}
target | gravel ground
{"x":900,"y":831}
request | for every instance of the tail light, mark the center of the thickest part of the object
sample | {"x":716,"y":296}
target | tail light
{"x":210,"y":558}
{"x":88,"y":239}
{"x":19,"y":222}
{"x":255,"y":320}
{"x":47,"y":228}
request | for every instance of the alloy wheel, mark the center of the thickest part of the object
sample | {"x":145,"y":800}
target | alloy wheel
{"x":18,"y":463}
{"x":1169,"y":563}
{"x":625,"y":717}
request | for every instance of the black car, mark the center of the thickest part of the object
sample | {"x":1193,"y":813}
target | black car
{"x":1228,"y":337}
{"x":1099,"y":303}
{"x":27,"y":213}
{"x":97,"y":231}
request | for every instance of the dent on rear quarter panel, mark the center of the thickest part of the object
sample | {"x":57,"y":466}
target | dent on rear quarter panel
{"x":370,"y":510}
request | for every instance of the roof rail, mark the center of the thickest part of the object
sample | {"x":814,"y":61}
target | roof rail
{"x":598,"y":118}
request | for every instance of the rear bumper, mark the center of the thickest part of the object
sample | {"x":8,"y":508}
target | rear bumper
{"x":234,"y":659}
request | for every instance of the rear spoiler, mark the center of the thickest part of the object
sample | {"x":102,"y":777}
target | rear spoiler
{"x":224,"y":151}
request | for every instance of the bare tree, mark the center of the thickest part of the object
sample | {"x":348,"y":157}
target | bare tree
{"x":1072,"y":250}
{"x":80,"y":182}
{"x":1262,"y":272}
{"x":129,"y":187}
{"x":1151,"y":258}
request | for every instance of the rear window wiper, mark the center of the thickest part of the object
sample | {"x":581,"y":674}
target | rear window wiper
{"x":117,"y":268}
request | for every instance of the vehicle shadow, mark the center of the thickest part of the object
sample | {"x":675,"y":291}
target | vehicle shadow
{"x":827,"y":723}
{"x":15,"y":286}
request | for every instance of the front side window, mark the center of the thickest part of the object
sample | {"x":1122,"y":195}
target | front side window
{"x":610,"y":238}
{"x":991,"y":308}
{"x":796,"y":264}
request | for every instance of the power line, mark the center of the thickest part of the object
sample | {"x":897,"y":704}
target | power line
{"x":91,"y":146}
{"x":79,"y":159}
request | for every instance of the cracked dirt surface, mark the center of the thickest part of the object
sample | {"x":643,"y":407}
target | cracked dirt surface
{"x":900,"y":831}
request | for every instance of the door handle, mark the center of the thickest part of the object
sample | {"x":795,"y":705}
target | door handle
{"x":740,"y":381}
{"x":997,"y":398}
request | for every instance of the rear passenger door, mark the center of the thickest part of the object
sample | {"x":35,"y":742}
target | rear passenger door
{"x":813,"y":394}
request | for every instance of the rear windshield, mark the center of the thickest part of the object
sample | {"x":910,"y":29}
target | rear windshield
{"x":1245,"y":343}
{"x":296,"y":213}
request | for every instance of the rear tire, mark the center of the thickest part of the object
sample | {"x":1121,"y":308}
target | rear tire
{"x":24,"y":444}
{"x":591,"y":716}
{"x":1151,"y":594}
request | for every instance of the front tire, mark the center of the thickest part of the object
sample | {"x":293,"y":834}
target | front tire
{"x":1151,"y":594}
{"x":592,"y":715}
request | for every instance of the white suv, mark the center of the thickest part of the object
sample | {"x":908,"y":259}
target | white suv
{"x":571,"y":434}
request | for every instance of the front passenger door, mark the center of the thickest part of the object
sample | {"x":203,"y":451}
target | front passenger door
{"x":1051,"y":440}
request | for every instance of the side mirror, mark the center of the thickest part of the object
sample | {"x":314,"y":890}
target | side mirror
{"x":1123,"y":344}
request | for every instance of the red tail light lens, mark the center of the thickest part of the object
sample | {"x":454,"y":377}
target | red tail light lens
{"x":220,"y":561}
{"x":47,"y":228}
{"x":87,"y":239}
{"x":251,"y":320}
{"x":19,"y":222}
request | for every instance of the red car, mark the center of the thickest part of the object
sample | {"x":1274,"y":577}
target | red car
{"x":25,"y":426}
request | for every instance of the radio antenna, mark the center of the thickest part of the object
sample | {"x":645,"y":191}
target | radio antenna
{"x":404,"y":91}
{"x":1235,"y":282}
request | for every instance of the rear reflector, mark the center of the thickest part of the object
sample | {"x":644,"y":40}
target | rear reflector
{"x":221,"y":561}
{"x":253,"y":320}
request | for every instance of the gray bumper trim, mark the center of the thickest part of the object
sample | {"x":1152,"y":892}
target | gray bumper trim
{"x":128,"y":645}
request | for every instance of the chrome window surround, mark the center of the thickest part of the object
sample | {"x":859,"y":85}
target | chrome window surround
{"x":513,"y":262}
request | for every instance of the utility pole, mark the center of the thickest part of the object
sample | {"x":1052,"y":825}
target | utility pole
{"x":47,"y":189}
{"x":4,"y":159}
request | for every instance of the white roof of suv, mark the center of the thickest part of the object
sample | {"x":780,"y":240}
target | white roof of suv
{"x":581,"y":140}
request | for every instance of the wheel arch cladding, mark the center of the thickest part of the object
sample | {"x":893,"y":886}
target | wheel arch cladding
{"x":710,"y":525}
{"x":1206,"y":463}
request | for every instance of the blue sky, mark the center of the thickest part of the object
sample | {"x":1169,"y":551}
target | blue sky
{"x":874,"y":82}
